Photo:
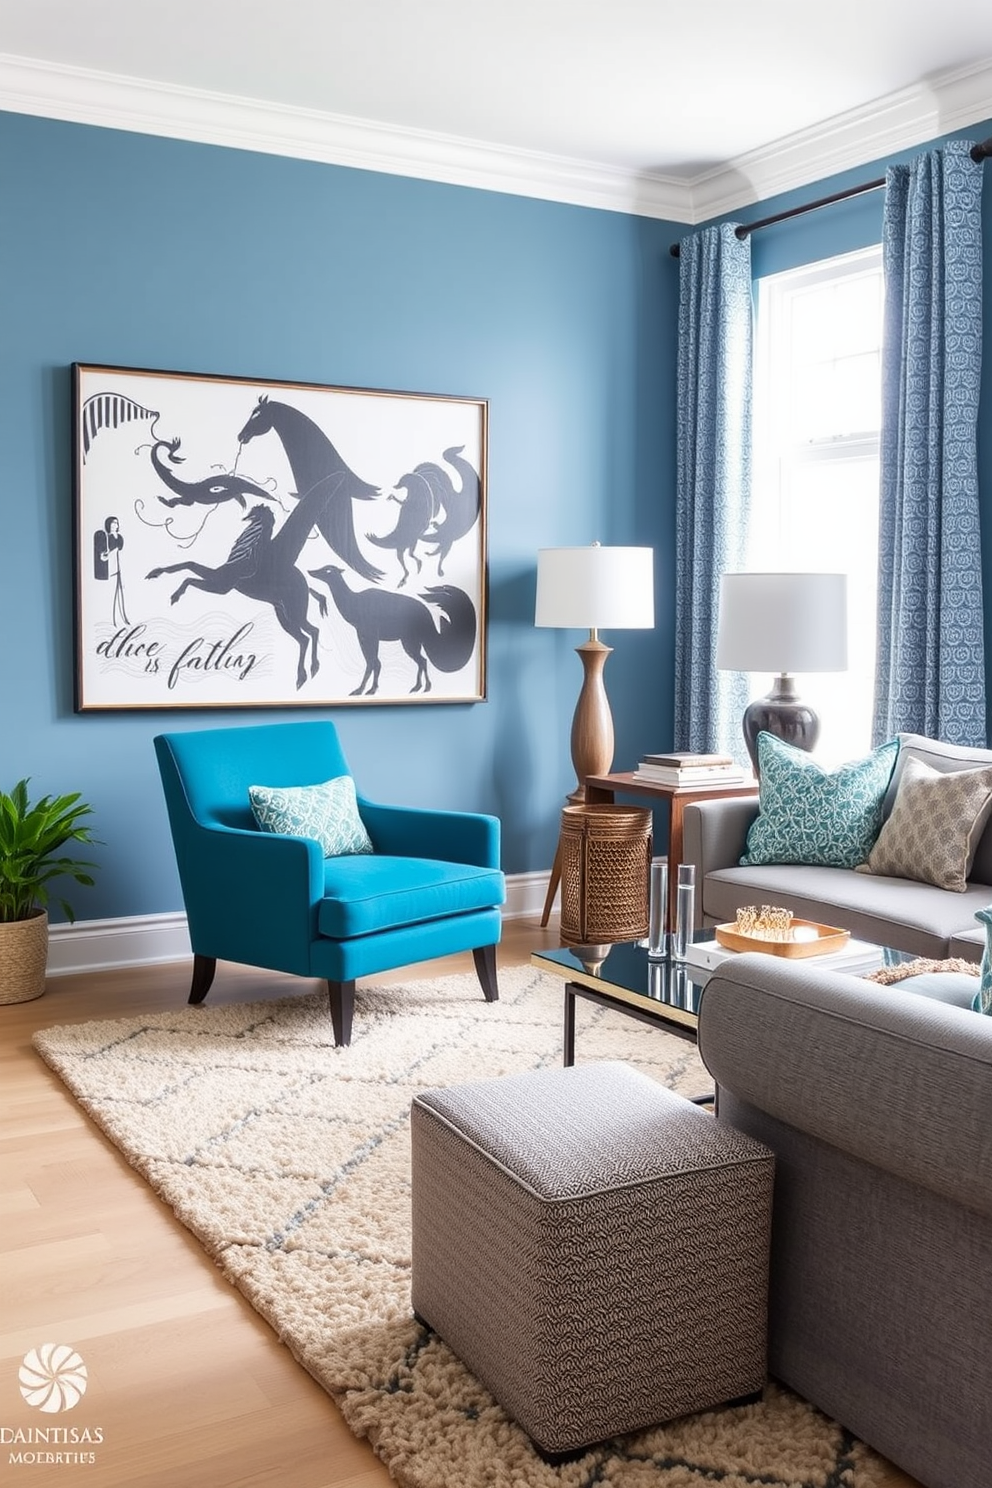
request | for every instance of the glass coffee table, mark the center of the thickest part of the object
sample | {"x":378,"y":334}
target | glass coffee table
{"x":661,"y":991}
{"x":622,"y":976}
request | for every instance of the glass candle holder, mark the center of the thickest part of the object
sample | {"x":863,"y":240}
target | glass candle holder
{"x":658,"y":908}
{"x":685,"y":910}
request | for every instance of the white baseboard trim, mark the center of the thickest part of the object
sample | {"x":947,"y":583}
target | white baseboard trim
{"x":525,"y":894}
{"x":105,"y":945}
{"x":146,"y":940}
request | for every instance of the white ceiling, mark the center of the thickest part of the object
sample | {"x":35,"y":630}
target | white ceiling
{"x":689,"y":107}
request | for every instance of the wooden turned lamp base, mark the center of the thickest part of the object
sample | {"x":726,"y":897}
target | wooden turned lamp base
{"x":592,"y":739}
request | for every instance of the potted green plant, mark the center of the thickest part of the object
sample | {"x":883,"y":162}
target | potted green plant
{"x":32,"y":836}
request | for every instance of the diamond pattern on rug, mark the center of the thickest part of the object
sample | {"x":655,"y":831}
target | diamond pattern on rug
{"x":289,"y":1160}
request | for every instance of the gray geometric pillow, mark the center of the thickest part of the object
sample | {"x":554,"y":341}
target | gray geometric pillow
{"x":934,"y":826}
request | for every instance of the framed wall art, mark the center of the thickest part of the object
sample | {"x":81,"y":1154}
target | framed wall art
{"x":264,"y":544}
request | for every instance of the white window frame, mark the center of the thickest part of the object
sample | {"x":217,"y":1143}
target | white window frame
{"x":844,"y":701}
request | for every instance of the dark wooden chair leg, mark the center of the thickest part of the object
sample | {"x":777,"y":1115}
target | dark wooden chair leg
{"x":485,"y":966}
{"x":342,"y":995}
{"x":203,"y":975}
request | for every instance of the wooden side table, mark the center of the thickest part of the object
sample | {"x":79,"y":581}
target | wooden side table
{"x":607,"y":787}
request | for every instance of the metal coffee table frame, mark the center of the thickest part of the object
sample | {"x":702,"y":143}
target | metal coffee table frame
{"x":623,"y":977}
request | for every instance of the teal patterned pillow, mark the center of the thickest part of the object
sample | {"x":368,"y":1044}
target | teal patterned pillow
{"x":328,"y":813}
{"x":807,"y":815}
{"x":983,"y":997}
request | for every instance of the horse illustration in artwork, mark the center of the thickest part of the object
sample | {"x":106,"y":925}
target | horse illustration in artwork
{"x":262,"y":566}
{"x":430,"y":492}
{"x":461,"y":507}
{"x":418,"y":510}
{"x":316,"y":464}
{"x":378,"y":615}
{"x":208,"y":492}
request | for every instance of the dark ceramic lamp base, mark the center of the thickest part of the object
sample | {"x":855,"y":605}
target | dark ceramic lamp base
{"x":783,"y":714}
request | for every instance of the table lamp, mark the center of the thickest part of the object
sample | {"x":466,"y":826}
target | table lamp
{"x":594,"y":588}
{"x":782,"y":623}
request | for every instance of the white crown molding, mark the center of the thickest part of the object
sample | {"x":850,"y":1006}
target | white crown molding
{"x":947,"y":102}
{"x":901,"y":121}
{"x":150,"y":940}
{"x":107,"y":100}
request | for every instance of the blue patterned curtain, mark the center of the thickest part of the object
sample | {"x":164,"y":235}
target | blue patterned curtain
{"x":714,"y":475}
{"x":931,"y":661}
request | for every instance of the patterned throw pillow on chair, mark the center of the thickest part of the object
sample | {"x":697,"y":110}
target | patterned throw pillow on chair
{"x":328,"y":813}
{"x":807,"y":814}
{"x":934,"y":826}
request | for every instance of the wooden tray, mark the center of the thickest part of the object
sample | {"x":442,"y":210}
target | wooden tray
{"x":827,"y":938}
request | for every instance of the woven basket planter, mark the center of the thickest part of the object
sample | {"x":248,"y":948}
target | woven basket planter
{"x":605,"y":873}
{"x":23,"y":957}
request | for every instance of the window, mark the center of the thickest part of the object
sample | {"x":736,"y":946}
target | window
{"x":817,"y":399}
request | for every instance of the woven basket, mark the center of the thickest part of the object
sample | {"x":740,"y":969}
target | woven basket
{"x":23,"y":958}
{"x":605,"y":856}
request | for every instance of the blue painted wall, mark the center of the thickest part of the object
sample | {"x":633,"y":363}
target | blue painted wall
{"x":146,"y":252}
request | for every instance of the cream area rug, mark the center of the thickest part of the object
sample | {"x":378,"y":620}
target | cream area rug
{"x":288,"y":1159}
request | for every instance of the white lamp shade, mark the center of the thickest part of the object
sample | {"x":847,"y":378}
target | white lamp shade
{"x":595,"y":588}
{"x":782,"y":622}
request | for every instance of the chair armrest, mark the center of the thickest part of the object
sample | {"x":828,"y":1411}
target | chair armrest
{"x":897,"y":1080}
{"x":412,"y":832}
{"x":251,"y":896}
{"x":714,"y":833}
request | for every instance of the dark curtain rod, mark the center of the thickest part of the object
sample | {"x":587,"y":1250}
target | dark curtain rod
{"x":977,"y":152}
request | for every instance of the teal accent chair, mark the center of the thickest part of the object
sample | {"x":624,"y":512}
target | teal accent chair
{"x":431,"y":887}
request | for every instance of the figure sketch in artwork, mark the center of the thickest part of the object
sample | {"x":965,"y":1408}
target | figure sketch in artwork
{"x":221,"y":486}
{"x":418,"y":509}
{"x":432,"y":511}
{"x":110,"y":411}
{"x":379,"y":615}
{"x":461,"y":507}
{"x":107,"y":546}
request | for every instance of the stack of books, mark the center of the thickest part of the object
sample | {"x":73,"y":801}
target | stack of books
{"x":682,"y":767}
{"x":857,"y":956}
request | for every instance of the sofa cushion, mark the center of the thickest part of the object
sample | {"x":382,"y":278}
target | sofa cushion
{"x":809,"y":815}
{"x":898,"y":912}
{"x":367,"y":894}
{"x":934,"y":826}
{"x":945,"y":757}
{"x":969,"y":943}
{"x":328,"y":813}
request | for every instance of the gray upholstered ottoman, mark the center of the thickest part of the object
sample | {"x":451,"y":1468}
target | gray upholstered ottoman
{"x":593,"y":1247}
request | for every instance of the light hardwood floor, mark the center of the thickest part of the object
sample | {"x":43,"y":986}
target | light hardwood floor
{"x":189,"y":1387}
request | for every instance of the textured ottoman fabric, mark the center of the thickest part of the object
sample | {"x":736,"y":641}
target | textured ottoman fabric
{"x":593,"y":1247}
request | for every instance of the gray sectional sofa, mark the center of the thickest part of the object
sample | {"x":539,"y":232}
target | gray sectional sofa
{"x":876,"y":1102}
{"x":899,"y":912}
